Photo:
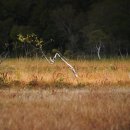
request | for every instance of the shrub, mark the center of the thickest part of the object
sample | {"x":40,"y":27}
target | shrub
{"x":54,"y":51}
{"x":68,"y":53}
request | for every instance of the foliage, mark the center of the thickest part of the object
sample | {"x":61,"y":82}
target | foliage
{"x":68,"y":53}
{"x":32,"y":38}
{"x":54,"y":51}
{"x":72,"y":24}
{"x":97,"y":36}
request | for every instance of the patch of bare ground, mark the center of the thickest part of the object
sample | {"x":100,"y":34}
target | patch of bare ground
{"x":65,"y":109}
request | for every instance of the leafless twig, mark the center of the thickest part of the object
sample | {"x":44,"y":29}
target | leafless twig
{"x":52,"y":60}
{"x":69,"y":65}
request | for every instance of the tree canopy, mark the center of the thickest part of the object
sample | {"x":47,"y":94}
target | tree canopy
{"x":72,"y":24}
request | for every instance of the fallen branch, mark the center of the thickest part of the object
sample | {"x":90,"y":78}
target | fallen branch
{"x":52,"y":61}
{"x":39,"y":43}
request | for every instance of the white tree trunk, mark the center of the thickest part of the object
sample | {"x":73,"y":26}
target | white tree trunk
{"x":69,"y":65}
{"x":52,"y":60}
{"x":98,"y":51}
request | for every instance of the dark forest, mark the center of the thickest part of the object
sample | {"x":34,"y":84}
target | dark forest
{"x":71,"y":27}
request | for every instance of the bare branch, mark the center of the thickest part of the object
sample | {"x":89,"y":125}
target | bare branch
{"x":43,"y":55}
{"x":70,"y":66}
{"x":52,"y":60}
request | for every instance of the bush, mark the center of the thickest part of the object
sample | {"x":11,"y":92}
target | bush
{"x":54,"y":51}
{"x":68,"y":53}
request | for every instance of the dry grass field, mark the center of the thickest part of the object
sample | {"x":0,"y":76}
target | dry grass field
{"x":39,"y":73}
{"x":35,"y":95}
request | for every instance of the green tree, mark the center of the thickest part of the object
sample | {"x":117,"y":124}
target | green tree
{"x":98,"y":38}
{"x":114,"y":18}
{"x":69,"y":24}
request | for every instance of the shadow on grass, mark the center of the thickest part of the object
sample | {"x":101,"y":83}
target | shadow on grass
{"x":34,"y":84}
{"x":3,"y":84}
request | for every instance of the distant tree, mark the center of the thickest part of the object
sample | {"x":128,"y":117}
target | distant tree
{"x":114,"y":18}
{"x":30,"y":40}
{"x":5,"y":27}
{"x":69,"y":24}
{"x":98,"y":38}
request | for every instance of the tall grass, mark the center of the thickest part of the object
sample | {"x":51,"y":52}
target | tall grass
{"x":38,"y":72}
{"x":96,"y":107}
{"x":64,"y":110}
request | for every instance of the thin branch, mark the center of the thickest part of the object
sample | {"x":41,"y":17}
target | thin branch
{"x":52,"y":60}
{"x":70,"y":66}
{"x":43,"y":55}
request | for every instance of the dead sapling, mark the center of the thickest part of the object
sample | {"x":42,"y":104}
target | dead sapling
{"x":38,"y":44}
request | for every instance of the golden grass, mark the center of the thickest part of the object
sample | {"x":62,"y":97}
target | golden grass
{"x":38,"y":72}
{"x":64,"y":109}
{"x":103,"y":103}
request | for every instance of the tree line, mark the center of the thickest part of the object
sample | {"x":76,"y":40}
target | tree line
{"x":72,"y":27}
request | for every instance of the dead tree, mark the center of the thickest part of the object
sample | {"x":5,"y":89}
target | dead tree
{"x":98,"y":48}
{"x":69,"y":65}
{"x":52,"y":61}
{"x":38,"y":45}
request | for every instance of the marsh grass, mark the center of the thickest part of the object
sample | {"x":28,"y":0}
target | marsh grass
{"x":64,"y":109}
{"x":38,"y":73}
{"x":35,"y":95}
